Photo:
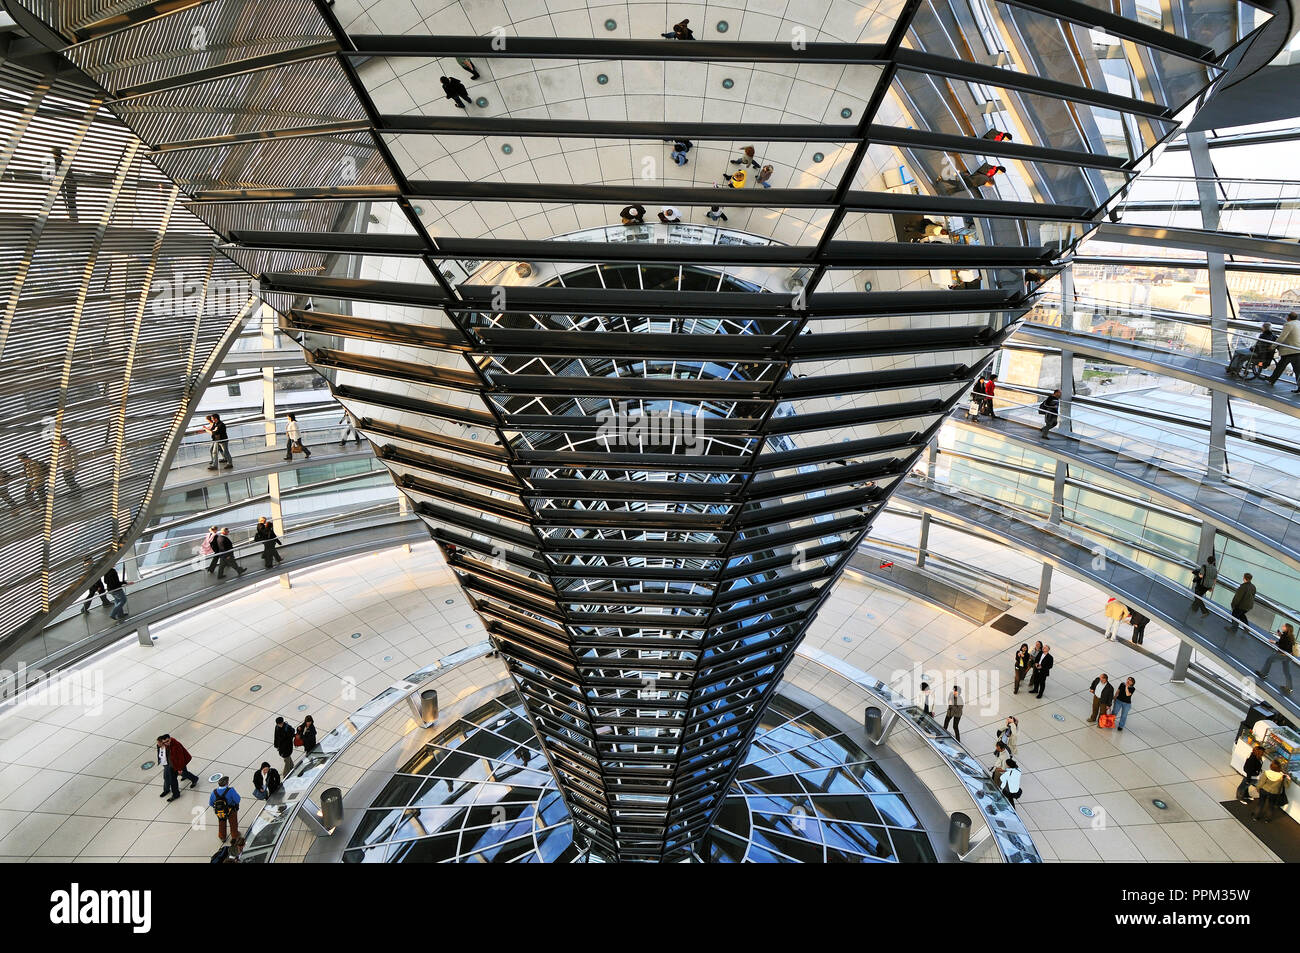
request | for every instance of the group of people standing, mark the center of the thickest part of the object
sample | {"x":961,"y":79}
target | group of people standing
{"x":224,"y":800}
{"x":1271,"y":782}
{"x":1036,"y":664}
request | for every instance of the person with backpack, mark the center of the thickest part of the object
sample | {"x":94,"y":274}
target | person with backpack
{"x":1050,"y":408}
{"x":1139,"y":623}
{"x":283,"y":741}
{"x":225,"y":549}
{"x":209,"y":548}
{"x":224,"y":801}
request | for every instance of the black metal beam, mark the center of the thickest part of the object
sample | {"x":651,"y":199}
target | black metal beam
{"x":1135,"y":30}
{"x":612,"y":48}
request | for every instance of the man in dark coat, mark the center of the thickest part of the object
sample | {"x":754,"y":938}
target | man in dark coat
{"x":283,"y":741}
{"x":1043,"y":669}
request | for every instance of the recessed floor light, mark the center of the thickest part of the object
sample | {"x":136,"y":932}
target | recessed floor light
{"x":722,"y":26}
{"x":481,"y":102}
{"x":1057,"y":716}
{"x":602,"y":78}
{"x":846,"y":112}
{"x":1087,"y":812}
{"x":356,"y":635}
{"x":214,"y":778}
{"x":507,"y":148}
{"x":1160,"y":804}
{"x":256,"y":688}
{"x":302,"y":707}
{"x":728,"y":83}
{"x":817,"y":157}
{"x":146,"y":766}
{"x":611,"y":25}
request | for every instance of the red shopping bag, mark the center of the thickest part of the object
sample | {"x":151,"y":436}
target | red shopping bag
{"x":1106,"y":721}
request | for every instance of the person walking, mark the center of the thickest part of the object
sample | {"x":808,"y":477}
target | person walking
{"x":266,"y":781}
{"x":1021,"y":666}
{"x":1116,"y":613}
{"x":1288,"y":351}
{"x":1123,"y":702}
{"x":35,"y":472}
{"x":293,"y":435}
{"x":997,"y":135}
{"x":983,"y":176}
{"x":633,"y":215}
{"x":265,"y":535}
{"x":178,"y":760}
{"x":68,"y":464}
{"x":1250,"y":773}
{"x":1050,"y":408}
{"x":1000,"y":757}
{"x":1272,"y":783}
{"x":1284,"y":648}
{"x":680,"y":148}
{"x":764,"y":174}
{"x":216,"y":429}
{"x":746,"y":159}
{"x":716,"y":214}
{"x":225,"y":548}
{"x":1010,"y":734}
{"x":1139,"y":623}
{"x":734,"y":180}
{"x":468,"y":66}
{"x":224,"y":801}
{"x":455,"y":90}
{"x":282,"y":739}
{"x":953,"y":713}
{"x":349,"y":427}
{"x":990,"y":387}
{"x":1243,"y":600}
{"x":307,"y":732}
{"x":681,"y":31}
{"x":115,"y":587}
{"x":1103,"y":693}
{"x":669,"y":215}
{"x":96,"y":588}
{"x":1204,"y":578}
{"x":209,"y":548}
{"x":1044,"y":668}
{"x":927,"y":699}
{"x":1010,"y":786}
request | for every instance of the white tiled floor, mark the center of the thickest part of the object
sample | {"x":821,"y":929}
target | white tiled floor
{"x":71,"y":785}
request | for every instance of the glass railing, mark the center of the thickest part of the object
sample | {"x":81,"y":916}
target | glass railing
{"x":1244,"y":489}
{"x":197,"y":448}
{"x":386,"y":719}
{"x":1168,"y":332}
{"x":1114,"y":572}
{"x":182,"y":579}
{"x":1259,"y":208}
{"x":929,"y":747}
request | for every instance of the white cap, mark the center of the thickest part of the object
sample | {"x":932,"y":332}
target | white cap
{"x":671,"y":212}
